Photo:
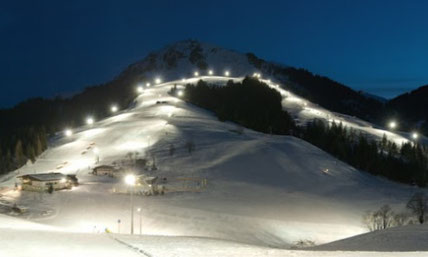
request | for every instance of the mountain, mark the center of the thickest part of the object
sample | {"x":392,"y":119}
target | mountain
{"x":27,"y":123}
{"x":225,"y":184}
{"x":411,"y":108}
{"x":183,"y":58}
{"x":261,"y":189}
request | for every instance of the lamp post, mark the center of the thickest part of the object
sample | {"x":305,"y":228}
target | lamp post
{"x":130,"y":180}
{"x":90,"y":121}
{"x":114,"y":108}
{"x":139,"y":211}
{"x":68,"y":132}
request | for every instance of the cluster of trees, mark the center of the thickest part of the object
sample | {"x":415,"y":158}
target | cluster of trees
{"x":333,"y":95}
{"x":326,"y":92}
{"x":250,"y":103}
{"x":25,"y":128}
{"x":26,"y":144}
{"x":406,"y":164}
{"x":385,"y":217}
{"x":254,"y":105}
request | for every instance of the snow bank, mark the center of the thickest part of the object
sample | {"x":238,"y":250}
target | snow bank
{"x":406,"y":238}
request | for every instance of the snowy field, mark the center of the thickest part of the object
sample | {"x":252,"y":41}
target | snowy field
{"x":264,"y":192}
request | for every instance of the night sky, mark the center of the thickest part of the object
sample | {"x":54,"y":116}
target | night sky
{"x":59,"y":47}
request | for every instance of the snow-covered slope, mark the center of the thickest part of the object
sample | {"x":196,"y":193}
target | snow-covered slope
{"x":262,"y":190}
{"x":24,"y":242}
{"x":406,"y":238}
{"x":185,"y":58}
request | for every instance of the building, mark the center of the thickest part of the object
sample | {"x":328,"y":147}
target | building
{"x":107,"y":170}
{"x":47,"y":181}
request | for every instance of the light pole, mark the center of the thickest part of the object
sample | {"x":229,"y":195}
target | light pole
{"x":139,"y":211}
{"x":114,"y":108}
{"x":130,"y":180}
{"x":68,"y":132}
{"x":90,"y":121}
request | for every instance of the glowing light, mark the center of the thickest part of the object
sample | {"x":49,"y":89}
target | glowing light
{"x":226,"y":73}
{"x":90,"y":121}
{"x":415,"y":135}
{"x":158,"y":80}
{"x":147,"y":84}
{"x":268,"y":80}
{"x":392,"y":125}
{"x":210,"y":72}
{"x":130,"y":179}
{"x":114,"y":109}
{"x":138,"y":209}
{"x":68,"y":132}
{"x":180,"y":93}
{"x":256,"y":75}
{"x":183,"y":79}
{"x":62,"y":180}
{"x":140,"y":89}
{"x":196,"y":73}
{"x":96,"y":150}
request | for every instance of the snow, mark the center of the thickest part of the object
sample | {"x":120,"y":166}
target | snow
{"x":407,"y":238}
{"x":263,"y":191}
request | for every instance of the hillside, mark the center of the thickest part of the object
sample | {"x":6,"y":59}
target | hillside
{"x":260,"y":187}
{"x":411,"y":108}
{"x":29,"y":125}
{"x":400,"y":239}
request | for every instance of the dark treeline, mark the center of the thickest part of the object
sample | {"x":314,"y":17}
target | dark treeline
{"x":406,"y":164}
{"x":251,"y":103}
{"x":324,"y":91}
{"x":25,"y":128}
{"x":254,"y":105}
{"x":411,"y":107}
{"x":23,"y":145}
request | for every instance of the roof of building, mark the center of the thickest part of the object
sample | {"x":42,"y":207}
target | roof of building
{"x":44,"y":176}
{"x":104,"y":167}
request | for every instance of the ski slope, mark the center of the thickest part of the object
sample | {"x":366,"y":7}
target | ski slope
{"x":263,"y":191}
{"x":22,"y":240}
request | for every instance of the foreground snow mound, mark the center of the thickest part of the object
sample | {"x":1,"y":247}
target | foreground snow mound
{"x":406,"y":238}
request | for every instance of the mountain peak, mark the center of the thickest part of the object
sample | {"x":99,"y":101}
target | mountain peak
{"x":183,"y":58}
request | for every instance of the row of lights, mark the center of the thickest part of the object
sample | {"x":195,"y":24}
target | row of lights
{"x":90,"y":121}
{"x":140,"y":88}
{"x":114,"y":108}
{"x":210,"y":72}
{"x":393,"y":125}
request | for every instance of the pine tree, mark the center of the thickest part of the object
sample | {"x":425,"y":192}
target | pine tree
{"x":39,"y":146}
{"x":30,"y":153}
{"x":19,"y":153}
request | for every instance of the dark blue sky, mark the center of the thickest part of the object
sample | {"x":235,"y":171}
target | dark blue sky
{"x":52,"y":47}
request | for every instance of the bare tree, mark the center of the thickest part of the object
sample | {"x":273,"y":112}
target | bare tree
{"x":418,"y":205}
{"x":380,"y":219}
{"x":401,"y":219}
